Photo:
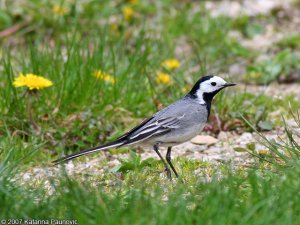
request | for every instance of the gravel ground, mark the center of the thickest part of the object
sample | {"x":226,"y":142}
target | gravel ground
{"x":222,"y":151}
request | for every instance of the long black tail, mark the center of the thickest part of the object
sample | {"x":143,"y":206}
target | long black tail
{"x":125,"y":139}
{"x":114,"y":144}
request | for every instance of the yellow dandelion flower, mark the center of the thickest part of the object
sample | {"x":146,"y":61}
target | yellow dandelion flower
{"x":59,"y":10}
{"x":171,"y":64}
{"x":128,"y":13}
{"x":32,"y":81}
{"x":99,"y":74}
{"x":263,"y":152}
{"x":133,"y":1}
{"x":114,"y":27}
{"x":163,"y":78}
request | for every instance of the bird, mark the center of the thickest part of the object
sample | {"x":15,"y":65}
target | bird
{"x":172,"y":125}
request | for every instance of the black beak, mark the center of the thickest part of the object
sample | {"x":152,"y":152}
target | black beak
{"x":229,"y":84}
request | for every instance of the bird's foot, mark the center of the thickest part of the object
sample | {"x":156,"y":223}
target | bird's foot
{"x":168,"y":171}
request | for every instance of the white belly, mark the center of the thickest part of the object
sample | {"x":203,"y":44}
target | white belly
{"x":175,"y":137}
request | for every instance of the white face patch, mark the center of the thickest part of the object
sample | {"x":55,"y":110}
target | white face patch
{"x":213,"y":84}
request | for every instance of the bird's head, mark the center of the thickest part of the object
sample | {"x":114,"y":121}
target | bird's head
{"x":207,"y":87}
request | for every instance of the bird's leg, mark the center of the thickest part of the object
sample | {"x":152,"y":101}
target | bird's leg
{"x":155,"y":147}
{"x":168,"y":158}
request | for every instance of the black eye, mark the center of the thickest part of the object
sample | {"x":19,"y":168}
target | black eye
{"x":213,"y":83}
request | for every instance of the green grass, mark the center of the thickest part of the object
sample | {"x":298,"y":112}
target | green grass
{"x":251,"y":196}
{"x":79,"y":111}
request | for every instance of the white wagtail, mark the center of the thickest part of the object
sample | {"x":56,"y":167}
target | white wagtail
{"x":173,"y":125}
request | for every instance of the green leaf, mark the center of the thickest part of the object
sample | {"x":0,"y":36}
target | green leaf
{"x":259,"y":113}
{"x":251,"y":146}
{"x":148,"y":162}
{"x":265,"y":125}
{"x":240,"y":149}
{"x":134,"y":162}
{"x":254,"y":29}
{"x":5,"y":20}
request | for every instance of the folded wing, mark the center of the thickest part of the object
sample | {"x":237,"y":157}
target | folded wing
{"x":152,"y":128}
